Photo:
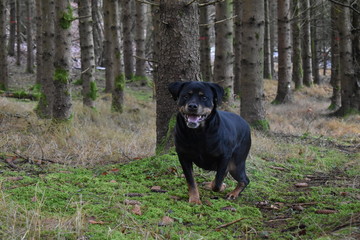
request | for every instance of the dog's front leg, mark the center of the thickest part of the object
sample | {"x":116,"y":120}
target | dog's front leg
{"x":217,"y":184}
{"x":194,"y":196}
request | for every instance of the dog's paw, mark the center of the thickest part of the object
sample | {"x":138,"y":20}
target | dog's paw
{"x":232,"y":195}
{"x":195,"y":201}
{"x":211,"y":186}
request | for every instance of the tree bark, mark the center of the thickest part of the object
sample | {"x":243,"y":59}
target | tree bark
{"x":44,"y":108}
{"x":12,"y":31}
{"x":39,"y":41}
{"x":267,"y":47}
{"x":315,"y":43}
{"x":204,"y":30}
{"x":18,"y":33}
{"x":252,"y":84}
{"x":224,"y":56}
{"x":89,"y":91}
{"x":98,"y":32}
{"x":62,"y":89}
{"x":4,"y":75}
{"x":297,"y":74}
{"x":108,"y":47}
{"x":284,"y":92}
{"x":140,"y":65}
{"x":178,"y":58}
{"x":29,"y":37}
{"x":306,"y":43}
{"x":237,"y":46}
{"x":128,"y":38}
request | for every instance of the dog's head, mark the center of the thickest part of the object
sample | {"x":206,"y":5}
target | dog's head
{"x":196,"y":100}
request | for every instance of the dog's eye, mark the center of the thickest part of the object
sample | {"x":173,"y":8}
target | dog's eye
{"x":204,"y":98}
{"x":185,"y":97}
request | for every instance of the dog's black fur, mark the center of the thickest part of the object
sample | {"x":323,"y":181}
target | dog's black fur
{"x":214,"y":140}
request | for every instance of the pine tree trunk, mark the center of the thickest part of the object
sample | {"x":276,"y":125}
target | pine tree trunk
{"x":12,"y":32}
{"x":297,"y":74}
{"x":306,"y":43}
{"x":18,"y":34}
{"x":29,"y":37}
{"x":355,"y":103}
{"x":314,"y":44}
{"x":108,"y":47}
{"x":177,"y":60}
{"x":273,"y":35}
{"x":223,"y":64}
{"x":204,"y":31}
{"x":4,"y":75}
{"x":347,"y":73}
{"x":140,"y":65}
{"x":39,"y":41}
{"x":119,"y":77}
{"x":62,"y":89}
{"x":335,"y":58}
{"x":45,"y":106}
{"x":98,"y":33}
{"x":267,"y":47}
{"x":252,"y":84}
{"x":128,"y":38}
{"x":87,"y":53}
{"x":284,"y":92}
{"x":237,"y":46}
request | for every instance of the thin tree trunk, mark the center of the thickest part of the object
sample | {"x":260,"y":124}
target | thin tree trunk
{"x":12,"y":32}
{"x":108,"y":47}
{"x":223,"y":65}
{"x":29,"y":37}
{"x":62,"y":89}
{"x":45,"y":106}
{"x":273,"y":34}
{"x":335,"y":58}
{"x":252,"y":83}
{"x":237,"y":46}
{"x":267,"y":47}
{"x":98,"y":33}
{"x":18,"y":34}
{"x":117,"y":103}
{"x":140,"y":65}
{"x":87,"y":53}
{"x":39,"y":42}
{"x":284,"y":92}
{"x":177,"y":60}
{"x":204,"y":30}
{"x":306,"y":43}
{"x":128,"y":38}
{"x":4,"y":75}
{"x":315,"y":43}
{"x":297,"y":74}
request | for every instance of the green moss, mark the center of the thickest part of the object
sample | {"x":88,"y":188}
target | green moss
{"x":166,"y":143}
{"x":67,"y":18}
{"x":93,"y":94}
{"x":262,"y":125}
{"x":2,"y":87}
{"x":61,"y":75}
{"x":120,"y":82}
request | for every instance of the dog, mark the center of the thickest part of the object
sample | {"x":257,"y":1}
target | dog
{"x":212,"y":139}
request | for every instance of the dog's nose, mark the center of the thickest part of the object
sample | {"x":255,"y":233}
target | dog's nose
{"x":192,"y":106}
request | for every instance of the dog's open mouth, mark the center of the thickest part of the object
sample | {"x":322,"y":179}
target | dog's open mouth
{"x":193,"y":121}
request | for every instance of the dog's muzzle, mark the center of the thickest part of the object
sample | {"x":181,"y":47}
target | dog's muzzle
{"x":194,"y":121}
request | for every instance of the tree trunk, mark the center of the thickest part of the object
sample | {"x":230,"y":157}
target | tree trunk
{"x":284,"y":92}
{"x":315,"y":43}
{"x":273,"y":35}
{"x":39,"y":41}
{"x":128,"y":38}
{"x":29,"y":37}
{"x":87,"y":53}
{"x":18,"y":33}
{"x":335,"y":58}
{"x":355,"y":103}
{"x":4,"y":75}
{"x":349,"y":84}
{"x":267,"y":47}
{"x":237,"y":46}
{"x":98,"y":32}
{"x":119,"y":77}
{"x":178,"y":59}
{"x":204,"y":30}
{"x":306,"y":43}
{"x":62,"y":89}
{"x":252,"y":84}
{"x":108,"y":46}
{"x":297,"y":74}
{"x":223,"y":64}
{"x":140,"y":65}
{"x":12,"y":32}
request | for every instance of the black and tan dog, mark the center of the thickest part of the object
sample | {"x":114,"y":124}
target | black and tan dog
{"x":212,"y":139}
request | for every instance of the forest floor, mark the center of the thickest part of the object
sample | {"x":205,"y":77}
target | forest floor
{"x":97,"y":177}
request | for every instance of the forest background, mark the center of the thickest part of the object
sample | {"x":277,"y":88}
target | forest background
{"x":86,"y":150}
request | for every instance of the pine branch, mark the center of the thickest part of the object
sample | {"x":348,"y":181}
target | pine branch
{"x":210,"y":3}
{"x":345,"y":5}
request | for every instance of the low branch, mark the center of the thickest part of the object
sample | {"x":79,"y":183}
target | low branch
{"x":147,"y":2}
{"x":220,"y":21}
{"x":210,"y":3}
{"x":345,"y":5}
{"x":145,"y":59}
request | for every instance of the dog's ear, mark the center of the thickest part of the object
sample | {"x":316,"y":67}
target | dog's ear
{"x":218,"y":92}
{"x":175,"y":88}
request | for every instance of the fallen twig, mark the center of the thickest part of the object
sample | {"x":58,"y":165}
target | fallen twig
{"x":228,"y":224}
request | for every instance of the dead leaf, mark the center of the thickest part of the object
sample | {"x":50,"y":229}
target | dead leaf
{"x":34,"y":199}
{"x":166,"y":220}
{"x":157,"y":189}
{"x":278,"y":168}
{"x":176,"y":198}
{"x":137,"y":210}
{"x":131,"y":202}
{"x":114,"y":170}
{"x":301,"y":185}
{"x":15,"y":178}
{"x":298,"y":208}
{"x":344,"y":194}
{"x":229,"y":208}
{"x":134,"y":195}
{"x":105,"y":173}
{"x":113,"y":181}
{"x":326,"y":211}
{"x":207,"y":202}
{"x":96,"y":222}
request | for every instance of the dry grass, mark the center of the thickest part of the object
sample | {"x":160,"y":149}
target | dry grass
{"x":91,"y":138}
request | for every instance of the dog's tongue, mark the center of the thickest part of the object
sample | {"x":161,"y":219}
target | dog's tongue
{"x":193,"y":118}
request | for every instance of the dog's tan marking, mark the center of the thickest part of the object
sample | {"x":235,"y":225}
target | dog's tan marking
{"x":235,"y":193}
{"x":194,"y":196}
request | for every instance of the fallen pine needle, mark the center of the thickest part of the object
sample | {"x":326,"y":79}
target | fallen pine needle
{"x":228,"y":224}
